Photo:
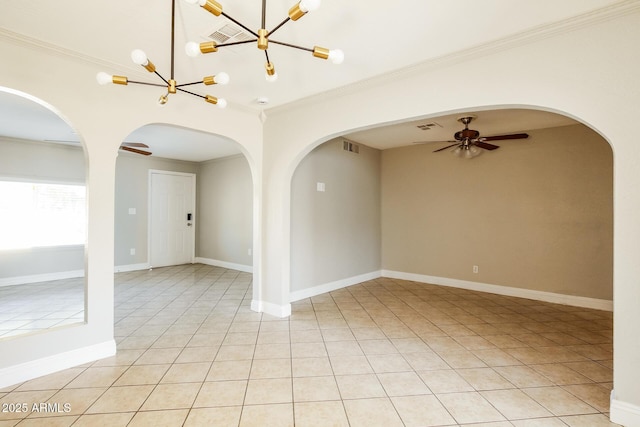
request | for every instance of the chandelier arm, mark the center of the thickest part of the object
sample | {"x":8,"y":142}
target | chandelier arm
{"x":266,"y":54}
{"x":191,"y":93}
{"x":189,"y":84}
{"x":240,"y":24}
{"x":292,"y":45}
{"x":146,"y":83}
{"x":235,"y":43}
{"x":279,"y":25}
{"x":160,"y":75}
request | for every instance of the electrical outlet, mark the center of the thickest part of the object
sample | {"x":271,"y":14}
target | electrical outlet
{"x":132,"y":251}
{"x":475,"y":268}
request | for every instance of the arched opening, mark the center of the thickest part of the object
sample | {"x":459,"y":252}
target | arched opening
{"x":537,"y":212}
{"x":541,"y":201}
{"x":187,"y":204}
{"x":43,"y":212}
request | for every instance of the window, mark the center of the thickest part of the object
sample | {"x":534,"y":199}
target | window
{"x":41,"y":214}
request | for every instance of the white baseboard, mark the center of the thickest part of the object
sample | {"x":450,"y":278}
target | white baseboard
{"x":131,"y":267}
{"x":224,"y":264}
{"x":271,"y":309}
{"x":598,"y":304}
{"x":332,"y":286}
{"x":35,"y":278}
{"x":624,"y":413}
{"x":58,"y":362}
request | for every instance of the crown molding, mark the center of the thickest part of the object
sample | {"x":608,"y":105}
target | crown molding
{"x":101,"y":64}
{"x":541,"y":32}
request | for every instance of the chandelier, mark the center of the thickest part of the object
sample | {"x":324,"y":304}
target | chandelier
{"x":263,"y":36}
{"x":139,"y":57}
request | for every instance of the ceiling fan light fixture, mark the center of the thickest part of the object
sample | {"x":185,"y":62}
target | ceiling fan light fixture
{"x":471,"y":151}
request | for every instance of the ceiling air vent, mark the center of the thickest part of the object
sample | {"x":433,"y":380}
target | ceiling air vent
{"x":428,"y":126}
{"x":350,"y":147}
{"x":230,"y":33}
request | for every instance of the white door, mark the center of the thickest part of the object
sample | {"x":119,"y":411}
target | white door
{"x":171,"y":218}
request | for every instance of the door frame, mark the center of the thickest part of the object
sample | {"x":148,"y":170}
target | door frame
{"x":192,"y":249}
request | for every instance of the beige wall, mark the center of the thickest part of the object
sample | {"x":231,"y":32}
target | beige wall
{"x":534,"y":214}
{"x":132,"y":191}
{"x":224,"y":217}
{"x":335,"y":234}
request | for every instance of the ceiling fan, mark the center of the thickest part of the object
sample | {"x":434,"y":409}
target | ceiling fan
{"x":468,"y":141}
{"x":135,"y":147}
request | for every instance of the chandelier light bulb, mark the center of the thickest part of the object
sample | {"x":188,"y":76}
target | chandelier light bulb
{"x":139,"y":57}
{"x":163,"y":99}
{"x":336,"y":56}
{"x":191,"y":1}
{"x":271,"y":78}
{"x":192,"y":49}
{"x":104,"y":78}
{"x":309,"y":5}
{"x":222,"y":103}
{"x":222,"y":78}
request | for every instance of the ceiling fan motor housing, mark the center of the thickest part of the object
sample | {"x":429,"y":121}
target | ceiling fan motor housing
{"x":466,"y":134}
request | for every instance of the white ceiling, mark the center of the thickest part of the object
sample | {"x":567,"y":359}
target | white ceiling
{"x":488,"y":123}
{"x":377,"y":37}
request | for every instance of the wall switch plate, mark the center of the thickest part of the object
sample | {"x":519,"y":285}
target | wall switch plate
{"x":320,"y":186}
{"x":475,"y":268}
{"x":132,"y":211}
{"x":132,"y":251}
{"x":249,"y":252}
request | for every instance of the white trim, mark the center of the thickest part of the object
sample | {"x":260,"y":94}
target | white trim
{"x":131,"y":267}
{"x":577,"y":301}
{"x":46,"y":277}
{"x":624,"y":413}
{"x":58,"y":362}
{"x":224,"y":264}
{"x":271,"y":309}
{"x":332,"y":286}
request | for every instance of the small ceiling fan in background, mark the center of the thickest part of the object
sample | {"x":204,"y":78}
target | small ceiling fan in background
{"x":133,"y":147}
{"x":468,"y":141}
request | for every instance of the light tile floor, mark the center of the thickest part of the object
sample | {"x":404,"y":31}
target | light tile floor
{"x":33,"y":307}
{"x":381,"y":353}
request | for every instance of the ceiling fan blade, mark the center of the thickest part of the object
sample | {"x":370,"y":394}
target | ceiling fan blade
{"x":448,"y":146}
{"x":503,"y":137}
{"x":431,"y":142}
{"x":135,"y":150}
{"x":135,"y":144}
{"x":485,"y":145}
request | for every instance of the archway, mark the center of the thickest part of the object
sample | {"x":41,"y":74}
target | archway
{"x":42,"y":170}
{"x":224,"y":209}
{"x":546,"y":201}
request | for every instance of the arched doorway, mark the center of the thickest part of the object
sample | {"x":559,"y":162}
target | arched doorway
{"x":43,"y":208}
